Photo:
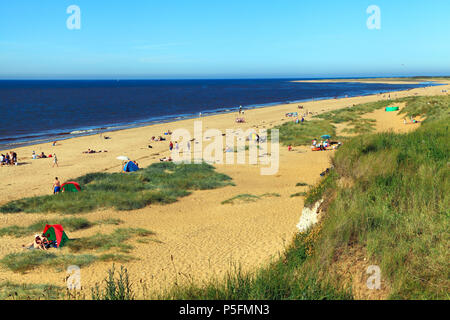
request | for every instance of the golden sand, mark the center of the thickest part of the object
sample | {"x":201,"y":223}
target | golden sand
{"x":198,"y":237}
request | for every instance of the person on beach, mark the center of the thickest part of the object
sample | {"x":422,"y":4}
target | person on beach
{"x":290,"y":148}
{"x":56,"y":186}
{"x":14,"y":157}
{"x":170,"y":146}
{"x":36,"y":244}
{"x":55,"y":161}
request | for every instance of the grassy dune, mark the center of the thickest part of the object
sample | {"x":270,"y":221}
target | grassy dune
{"x":302,"y":134}
{"x":159,"y":183}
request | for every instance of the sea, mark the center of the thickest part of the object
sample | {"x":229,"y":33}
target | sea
{"x":37,"y":111}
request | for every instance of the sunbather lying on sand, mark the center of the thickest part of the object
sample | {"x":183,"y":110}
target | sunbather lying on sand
{"x":93,"y":151}
{"x":166,"y":159}
{"x":38,"y":243}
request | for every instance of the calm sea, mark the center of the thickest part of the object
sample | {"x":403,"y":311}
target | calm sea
{"x":39,"y":111}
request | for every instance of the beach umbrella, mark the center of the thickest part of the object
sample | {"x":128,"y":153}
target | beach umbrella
{"x":327,"y":136}
{"x":123,"y":158}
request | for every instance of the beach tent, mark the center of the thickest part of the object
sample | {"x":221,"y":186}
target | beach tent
{"x":388,"y":109}
{"x":130,"y":167}
{"x":71,"y":186}
{"x":56,"y":233}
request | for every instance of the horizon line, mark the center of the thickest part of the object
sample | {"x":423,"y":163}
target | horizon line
{"x":124,"y":78}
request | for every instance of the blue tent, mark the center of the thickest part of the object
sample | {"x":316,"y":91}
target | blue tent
{"x":130,"y":167}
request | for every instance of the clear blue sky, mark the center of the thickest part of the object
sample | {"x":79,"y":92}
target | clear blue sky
{"x":223,"y":39}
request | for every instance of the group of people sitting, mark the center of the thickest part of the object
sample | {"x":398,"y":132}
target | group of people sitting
{"x":39,"y":156}
{"x":9,"y":159}
{"x":292,"y":114}
{"x":40,"y":242}
{"x":324,"y":145}
{"x":158,"y":139}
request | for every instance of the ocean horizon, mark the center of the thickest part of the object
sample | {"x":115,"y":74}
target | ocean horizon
{"x":38,"y":111}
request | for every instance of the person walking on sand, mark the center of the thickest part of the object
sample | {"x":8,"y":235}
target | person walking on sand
{"x":55,"y":161}
{"x":56,"y":186}
{"x":170,"y":146}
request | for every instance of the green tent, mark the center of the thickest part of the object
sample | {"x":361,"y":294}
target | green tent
{"x":71,"y":187}
{"x":388,"y":109}
{"x":56,"y":233}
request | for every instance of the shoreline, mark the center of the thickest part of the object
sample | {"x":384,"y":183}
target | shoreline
{"x":107,"y":128}
{"x":197,"y":236}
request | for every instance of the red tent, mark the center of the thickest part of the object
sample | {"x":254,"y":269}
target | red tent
{"x":71,"y":186}
{"x":56,"y":233}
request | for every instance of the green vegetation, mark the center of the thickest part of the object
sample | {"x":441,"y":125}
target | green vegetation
{"x":13,"y":291}
{"x":361,"y":126}
{"x":116,"y":287}
{"x":298,"y":194}
{"x":30,"y":259}
{"x":398,"y":205}
{"x":248,"y":198}
{"x":69,"y":224}
{"x":110,"y":221}
{"x":103,"y":242}
{"x":433,"y":108}
{"x":354,"y":113}
{"x":303,"y":133}
{"x":159,"y":183}
{"x":301,"y":184}
{"x":318,"y":192}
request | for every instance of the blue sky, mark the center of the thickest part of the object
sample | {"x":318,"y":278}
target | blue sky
{"x":223,"y":39}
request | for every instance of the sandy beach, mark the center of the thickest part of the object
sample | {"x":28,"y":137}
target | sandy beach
{"x":197,"y":236}
{"x":372,"y":80}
